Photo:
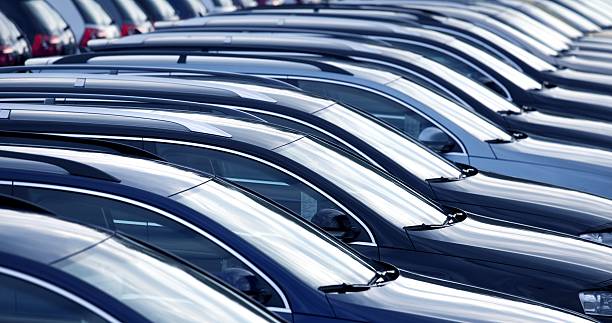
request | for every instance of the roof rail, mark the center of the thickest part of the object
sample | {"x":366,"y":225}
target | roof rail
{"x":17,"y":204}
{"x":82,"y":59}
{"x":336,"y":5}
{"x":53,"y":97}
{"x":67,"y":63}
{"x":122,"y":149}
{"x":72,"y":167}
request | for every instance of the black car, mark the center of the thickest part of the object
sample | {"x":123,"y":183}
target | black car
{"x":158,"y":10}
{"x":128,"y":15}
{"x":356,"y":203}
{"x":14,"y":48}
{"x":47,"y":32}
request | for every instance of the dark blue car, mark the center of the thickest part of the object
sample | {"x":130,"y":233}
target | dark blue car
{"x":360,"y":205}
{"x":52,"y":270}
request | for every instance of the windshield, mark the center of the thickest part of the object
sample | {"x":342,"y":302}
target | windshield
{"x":486,"y":97}
{"x":519,"y":79}
{"x":388,"y":197}
{"x":93,"y":13}
{"x":314,"y":257}
{"x":516,"y":51}
{"x":156,"y":286}
{"x":412,"y":156}
{"x":465,"y":119}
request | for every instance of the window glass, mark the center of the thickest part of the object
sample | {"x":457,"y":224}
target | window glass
{"x":397,"y":115}
{"x":93,"y":13}
{"x":254,"y":175}
{"x":130,"y":9}
{"x":319,"y":260}
{"x":22,"y":301}
{"x":388,"y":197}
{"x":47,"y":16}
{"x":144,"y":225}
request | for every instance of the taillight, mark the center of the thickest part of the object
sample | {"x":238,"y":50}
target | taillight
{"x":46,"y":45}
{"x":131,"y":29}
{"x":6,"y":55}
{"x":92,"y":33}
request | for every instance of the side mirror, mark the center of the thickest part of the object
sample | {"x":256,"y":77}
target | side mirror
{"x":436,"y":139}
{"x":246,"y":282}
{"x":336,"y":223}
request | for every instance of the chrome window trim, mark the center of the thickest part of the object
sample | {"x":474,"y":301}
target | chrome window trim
{"x":506,"y":92}
{"x":57,"y":290}
{"x":394,"y":99}
{"x":6,"y":183}
{"x":203,"y":233}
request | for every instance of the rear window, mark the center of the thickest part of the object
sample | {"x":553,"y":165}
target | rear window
{"x":46,"y":16}
{"x":8,"y":31}
{"x":131,"y":11}
{"x":160,"y":10}
{"x":93,"y":13}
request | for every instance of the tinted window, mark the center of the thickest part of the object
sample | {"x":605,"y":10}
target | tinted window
{"x":22,"y":301}
{"x":385,"y":109}
{"x":92,"y":12}
{"x":131,"y":11}
{"x":49,"y":19}
{"x":158,"y":10}
{"x":144,"y":225}
{"x":254,"y":175}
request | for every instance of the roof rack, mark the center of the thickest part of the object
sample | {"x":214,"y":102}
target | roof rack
{"x":72,"y":167}
{"x":339,"y":5}
{"x":82,"y":59}
{"x":122,"y":149}
{"x":17,"y":204}
{"x":56,"y":97}
{"x":78,"y":62}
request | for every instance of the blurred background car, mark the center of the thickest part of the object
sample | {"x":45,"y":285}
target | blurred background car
{"x":128,"y":15}
{"x":87,"y":19}
{"x":189,"y":8}
{"x":158,"y":10}
{"x":47,"y":32}
{"x":14,"y":48}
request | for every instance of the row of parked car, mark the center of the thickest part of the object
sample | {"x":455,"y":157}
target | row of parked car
{"x":350,"y":161}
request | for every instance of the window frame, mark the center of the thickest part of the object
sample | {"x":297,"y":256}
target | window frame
{"x":213,"y":239}
{"x":58,"y":291}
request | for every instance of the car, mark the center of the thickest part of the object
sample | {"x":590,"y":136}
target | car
{"x":510,"y":154}
{"x":128,"y":15}
{"x":14,"y":47}
{"x":291,"y":266}
{"x":395,"y":101}
{"x":87,"y":19}
{"x":189,"y":8}
{"x":158,"y":10}
{"x":372,"y":227}
{"x":481,"y":67}
{"x":47,"y":33}
{"x":55,"y":270}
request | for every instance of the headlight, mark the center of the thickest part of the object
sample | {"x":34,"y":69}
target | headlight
{"x":597,"y":302}
{"x":601,"y":237}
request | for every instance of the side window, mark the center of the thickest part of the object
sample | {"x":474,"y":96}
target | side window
{"x":393,"y":113}
{"x":456,"y":65}
{"x":153,"y":228}
{"x":261,"y":178}
{"x":6,"y":189}
{"x":22,"y":301}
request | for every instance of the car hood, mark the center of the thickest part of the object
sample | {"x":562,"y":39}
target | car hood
{"x":489,"y":240}
{"x":406,"y":300}
{"x":548,"y":153}
{"x":531,"y":203}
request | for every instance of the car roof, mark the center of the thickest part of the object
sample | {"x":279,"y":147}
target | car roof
{"x":256,"y":133}
{"x":162,"y":178}
{"x":43,"y":238}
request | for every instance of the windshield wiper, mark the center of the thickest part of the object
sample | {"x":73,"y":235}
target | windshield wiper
{"x":454,"y":217}
{"x":344,"y":288}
